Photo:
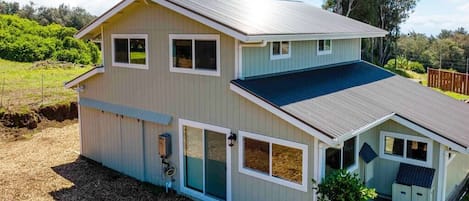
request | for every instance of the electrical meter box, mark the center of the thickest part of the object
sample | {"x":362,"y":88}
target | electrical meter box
{"x":164,"y":145}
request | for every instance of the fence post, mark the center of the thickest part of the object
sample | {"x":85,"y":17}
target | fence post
{"x":452,"y":81}
{"x":42,"y":89}
{"x":3,"y":89}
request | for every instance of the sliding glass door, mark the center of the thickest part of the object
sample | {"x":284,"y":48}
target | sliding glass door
{"x":205,"y":162}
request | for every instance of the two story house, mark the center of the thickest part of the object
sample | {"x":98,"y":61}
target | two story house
{"x":250,"y":100}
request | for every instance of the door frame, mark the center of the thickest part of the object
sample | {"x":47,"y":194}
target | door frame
{"x":221,"y":130}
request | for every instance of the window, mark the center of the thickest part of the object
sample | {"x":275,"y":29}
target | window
{"x":195,"y":54}
{"x":278,"y":161}
{"x":406,"y":148}
{"x":324,"y":47}
{"x":280,"y":50}
{"x":344,"y":158}
{"x":130,"y":50}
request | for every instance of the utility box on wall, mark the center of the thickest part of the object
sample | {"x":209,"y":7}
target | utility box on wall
{"x":164,"y":145}
{"x":401,"y":192}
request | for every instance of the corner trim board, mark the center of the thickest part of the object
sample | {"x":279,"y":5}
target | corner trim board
{"x":145,"y":115}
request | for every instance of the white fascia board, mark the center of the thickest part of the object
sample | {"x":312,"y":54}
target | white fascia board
{"x":300,"y":37}
{"x":83,"y":77}
{"x":94,"y":25}
{"x":286,"y":117}
{"x":430,"y":134}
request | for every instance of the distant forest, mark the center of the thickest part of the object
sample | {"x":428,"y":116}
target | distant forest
{"x":75,"y":17}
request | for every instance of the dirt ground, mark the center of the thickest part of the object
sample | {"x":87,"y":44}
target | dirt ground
{"x":47,"y":166}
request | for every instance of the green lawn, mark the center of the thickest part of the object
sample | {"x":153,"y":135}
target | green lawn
{"x":23,"y":87}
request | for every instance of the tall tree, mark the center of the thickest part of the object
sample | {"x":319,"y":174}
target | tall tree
{"x":9,"y":7}
{"x":385,"y":14}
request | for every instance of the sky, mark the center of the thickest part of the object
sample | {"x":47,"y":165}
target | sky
{"x":430,"y":16}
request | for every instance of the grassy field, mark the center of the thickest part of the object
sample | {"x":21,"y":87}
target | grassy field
{"x":24,"y":87}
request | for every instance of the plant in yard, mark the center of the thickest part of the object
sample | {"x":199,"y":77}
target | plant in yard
{"x":343,"y":186}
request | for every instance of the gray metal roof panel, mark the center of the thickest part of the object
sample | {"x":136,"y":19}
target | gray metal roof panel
{"x":275,"y":17}
{"x":339,"y":100}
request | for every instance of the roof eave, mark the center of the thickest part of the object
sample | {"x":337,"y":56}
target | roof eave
{"x":77,"y":80}
{"x":314,"y":36}
{"x":237,"y":34}
{"x":103,"y":18}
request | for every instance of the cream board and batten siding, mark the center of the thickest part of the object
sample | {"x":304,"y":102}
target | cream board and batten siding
{"x":257,"y":62}
{"x":205,"y":99}
{"x":381,"y":173}
{"x":457,"y":171}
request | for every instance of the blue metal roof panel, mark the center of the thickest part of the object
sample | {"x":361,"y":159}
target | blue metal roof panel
{"x":415,"y":175}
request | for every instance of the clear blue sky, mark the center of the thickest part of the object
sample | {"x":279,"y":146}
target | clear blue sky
{"x":429,"y":17}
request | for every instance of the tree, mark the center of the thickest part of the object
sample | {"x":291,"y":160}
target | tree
{"x":448,"y":52}
{"x":414,"y":47}
{"x":385,"y":14}
{"x":342,"y":7}
{"x":9,"y":8}
{"x":343,"y":186}
{"x":64,"y":15}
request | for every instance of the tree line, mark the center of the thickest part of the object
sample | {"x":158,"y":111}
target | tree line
{"x":64,"y":15}
{"x":385,"y":14}
{"x":26,"y":40}
{"x":449,"y":50}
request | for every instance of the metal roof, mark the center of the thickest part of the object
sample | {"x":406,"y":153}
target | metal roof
{"x":415,"y":175}
{"x":259,"y":20}
{"x":340,"y":100}
{"x":276,"y":17}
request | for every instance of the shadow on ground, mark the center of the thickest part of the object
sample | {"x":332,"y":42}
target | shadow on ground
{"x":91,"y":181}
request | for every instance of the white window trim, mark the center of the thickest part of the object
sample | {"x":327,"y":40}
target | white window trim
{"x":194,"y":37}
{"x":280,"y":56}
{"x":404,"y":159}
{"x":304,"y":148}
{"x":130,"y":36}
{"x":323,"y":52}
{"x":355,"y":164}
{"x":194,"y":193}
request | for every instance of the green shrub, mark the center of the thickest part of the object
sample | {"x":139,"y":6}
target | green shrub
{"x":24,"y":40}
{"x":403,"y":63}
{"x":416,"y":67}
{"x":344,"y":186}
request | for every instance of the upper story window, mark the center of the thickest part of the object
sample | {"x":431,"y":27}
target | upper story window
{"x":406,"y":148}
{"x":324,"y":47}
{"x":278,"y":161}
{"x":280,"y":50}
{"x":195,"y":54}
{"x":344,"y":158}
{"x":130,"y":50}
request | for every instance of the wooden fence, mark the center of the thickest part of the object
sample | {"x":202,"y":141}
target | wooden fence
{"x":448,"y":81}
